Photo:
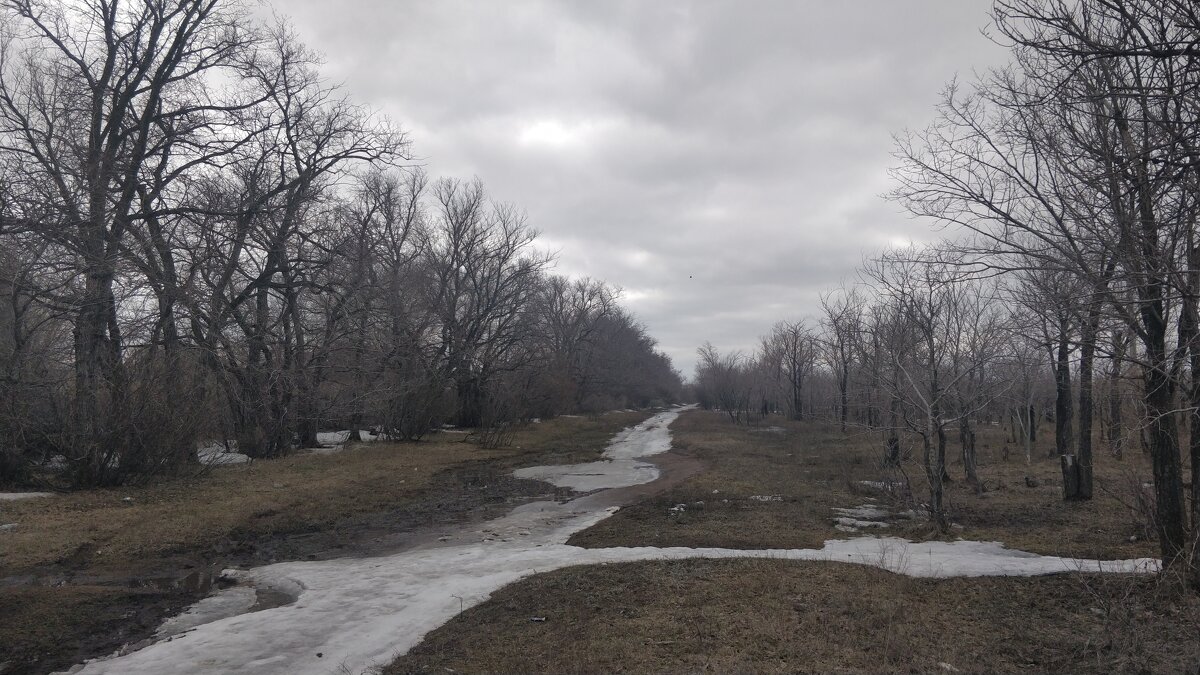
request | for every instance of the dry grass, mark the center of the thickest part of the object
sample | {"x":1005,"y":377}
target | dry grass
{"x":186,"y":514}
{"x":117,"y":528}
{"x":83,"y":572}
{"x":813,"y":467}
{"x":777,"y":616}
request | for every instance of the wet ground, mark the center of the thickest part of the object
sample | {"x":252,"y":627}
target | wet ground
{"x":126,"y":609}
{"x":365,"y":589}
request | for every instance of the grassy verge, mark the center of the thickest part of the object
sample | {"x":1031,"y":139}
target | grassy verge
{"x":83,"y":573}
{"x":778,"y":616}
{"x":811,"y":468}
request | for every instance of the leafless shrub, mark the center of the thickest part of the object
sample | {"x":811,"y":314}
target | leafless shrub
{"x":1136,"y":493}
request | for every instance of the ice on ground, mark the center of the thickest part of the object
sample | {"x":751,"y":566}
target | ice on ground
{"x":341,"y":437}
{"x":643,"y":440}
{"x":14,"y":496}
{"x":217,"y":455}
{"x":362,"y":612}
{"x":333,"y":442}
{"x":863,"y":512}
{"x":222,"y":604}
{"x":850,"y":522}
{"x":593,"y":475}
{"x":618,"y":466}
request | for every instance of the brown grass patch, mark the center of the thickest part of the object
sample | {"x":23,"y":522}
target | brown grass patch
{"x":779,"y":616}
{"x":813,"y":467}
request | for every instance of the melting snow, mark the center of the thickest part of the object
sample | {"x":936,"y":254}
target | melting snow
{"x":221,"y":457}
{"x":13,"y":496}
{"x":618,"y":466}
{"x":224,"y":603}
{"x":866,"y":512}
{"x":852,"y":523}
{"x":360,"y":612}
{"x":593,"y":475}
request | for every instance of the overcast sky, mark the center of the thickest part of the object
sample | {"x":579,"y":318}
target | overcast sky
{"x":720,"y":161}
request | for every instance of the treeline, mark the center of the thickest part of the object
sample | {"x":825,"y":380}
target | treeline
{"x":1070,"y":182}
{"x":200,"y":238}
{"x":925,"y":349}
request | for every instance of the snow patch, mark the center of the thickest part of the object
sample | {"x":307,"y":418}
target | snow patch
{"x":593,"y":475}
{"x":14,"y":496}
{"x":864,"y":512}
{"x":222,"y":604}
{"x":217,"y":455}
{"x":852,"y":523}
{"x":618,"y":466}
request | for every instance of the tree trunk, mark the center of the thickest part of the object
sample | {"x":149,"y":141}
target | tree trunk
{"x":892,"y":452}
{"x":843,"y":386}
{"x":1083,"y":462}
{"x":1062,"y":392}
{"x":967,"y":438}
{"x":1116,"y":425}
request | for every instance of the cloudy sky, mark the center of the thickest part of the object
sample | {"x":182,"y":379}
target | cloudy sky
{"x":720,"y":161}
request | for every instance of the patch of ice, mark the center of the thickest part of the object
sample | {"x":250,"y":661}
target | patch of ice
{"x":341,"y":437}
{"x":14,"y":496}
{"x":618,"y":466}
{"x":218,"y":456}
{"x":332,"y":437}
{"x":765,"y":498}
{"x":359,"y":612}
{"x":593,"y":475}
{"x":850,"y":522}
{"x":220,"y":605}
{"x":864,"y":512}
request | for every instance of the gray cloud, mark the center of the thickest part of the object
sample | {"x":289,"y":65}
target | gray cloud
{"x":721,"y":161}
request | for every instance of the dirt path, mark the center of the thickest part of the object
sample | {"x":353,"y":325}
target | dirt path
{"x":109,"y":572}
{"x":326,"y":612}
